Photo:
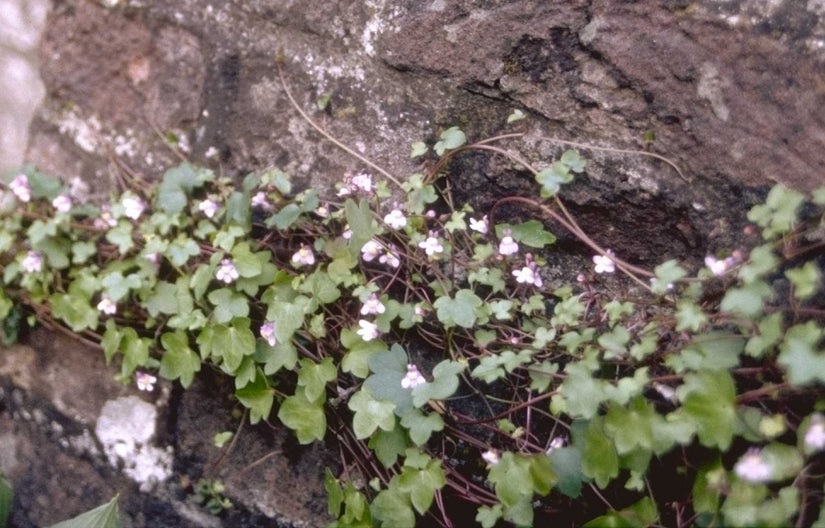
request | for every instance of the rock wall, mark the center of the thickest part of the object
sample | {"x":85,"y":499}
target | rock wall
{"x":732,"y":92}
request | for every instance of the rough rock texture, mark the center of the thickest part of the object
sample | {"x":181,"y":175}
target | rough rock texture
{"x":732,"y":91}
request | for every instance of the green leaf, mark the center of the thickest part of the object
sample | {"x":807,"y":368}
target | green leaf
{"x":6,"y":496}
{"x":304,"y":417}
{"x":711,"y":351}
{"x":313,"y":377}
{"x":388,"y":445}
{"x":117,"y":286}
{"x":359,"y":218}
{"x":689,"y":316}
{"x":239,"y":210}
{"x":121,"y":236}
{"x":285,"y":217}
{"x":639,"y":515}
{"x":599,"y":458}
{"x":229,"y":305}
{"x":177,"y":183}
{"x":220,"y":439}
{"x":761,"y":261}
{"x":615,"y":342}
{"x":392,"y":509}
{"x":421,"y":484}
{"x":105,"y":516}
{"x":769,"y":334}
{"x":779,"y":212}
{"x":798,"y":356}
{"x":530,"y":233}
{"x":181,"y":250}
{"x":511,"y":479}
{"x":459,"y":311}
{"x":573,"y":161}
{"x":710,"y":484}
{"x":666,"y":275}
{"x":335,"y":495}
{"x":258,"y":397}
{"x":551,"y":178}
{"x":74,"y":310}
{"x":452,"y":138}
{"x":279,"y":179}
{"x":419,"y":148}
{"x":488,"y":516}
{"x":709,"y":401}
{"x":283,"y":355}
{"x":179,"y":361}
{"x":567,"y":466}
{"x":370,"y":414}
{"x":748,"y":300}
{"x":515,"y":115}
{"x":805,"y":280}
{"x":232,"y":343}
{"x":444,"y":384}
{"x":163,"y":299}
{"x":421,"y":426}
{"x":581,"y":393}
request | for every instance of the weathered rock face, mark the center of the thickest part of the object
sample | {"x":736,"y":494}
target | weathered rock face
{"x":732,"y":91}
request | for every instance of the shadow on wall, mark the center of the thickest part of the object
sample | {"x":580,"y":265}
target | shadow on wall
{"x":21,"y":22}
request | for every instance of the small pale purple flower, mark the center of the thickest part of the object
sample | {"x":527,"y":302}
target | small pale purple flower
{"x":20,"y":187}
{"x":268,"y":332}
{"x":62,"y":204}
{"x":431,"y":246}
{"x":528,"y":275}
{"x":604,"y":264}
{"x":395,"y":219}
{"x":752,"y":467}
{"x":304,"y":256}
{"x":107,"y":305}
{"x":260,"y":200}
{"x":491,"y":456}
{"x":482,"y":226}
{"x":368,"y":330}
{"x":145,"y":381}
{"x":413,"y":378}
{"x":373,"y":305}
{"x":362,"y":182}
{"x":556,"y":443}
{"x":815,"y":436}
{"x":208,"y":208}
{"x":390,"y":257}
{"x":226,"y":272}
{"x":32,"y":262}
{"x":133,"y":207}
{"x":370,"y":250}
{"x":507,"y":246}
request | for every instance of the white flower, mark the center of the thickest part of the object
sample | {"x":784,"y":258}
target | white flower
{"x":491,"y":456}
{"x":344,"y":191}
{"x":106,"y":219}
{"x":304,"y":256}
{"x":78,"y":189}
{"x":395,"y":219}
{"x":370,"y":250}
{"x":322,"y":211}
{"x":260,"y":200}
{"x":62,"y":204}
{"x":419,"y":310}
{"x":556,"y":443}
{"x":507,"y":246}
{"x":20,"y":187}
{"x":368,"y":330}
{"x":362,"y":181}
{"x":720,"y":267}
{"x":347,"y":234}
{"x":752,"y":467}
{"x":528,"y":275}
{"x":413,"y":378}
{"x":431,"y":246}
{"x":390,"y":257}
{"x":107,"y":306}
{"x":32,"y":262}
{"x":482,"y":226}
{"x":208,"y":208}
{"x":373,"y":305}
{"x":145,"y":381}
{"x":268,"y":332}
{"x":133,"y":207}
{"x":815,"y":436}
{"x":211,"y":152}
{"x":604,"y":264}
{"x":226,"y":272}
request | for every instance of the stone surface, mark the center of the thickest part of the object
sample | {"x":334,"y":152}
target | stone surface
{"x":731,"y":91}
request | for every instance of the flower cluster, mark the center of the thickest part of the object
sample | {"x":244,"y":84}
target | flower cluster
{"x":356,"y":182}
{"x":604,"y":263}
{"x":528,"y":274}
{"x":227,"y":272}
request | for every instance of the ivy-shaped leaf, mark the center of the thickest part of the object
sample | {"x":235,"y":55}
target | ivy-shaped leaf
{"x":421,"y":426}
{"x":444,"y":384}
{"x":228,"y":305}
{"x":313,"y":377}
{"x":258,"y":397}
{"x":231,"y":343}
{"x":458,"y":311}
{"x":179,"y":361}
{"x":370,"y":414}
{"x":451,"y":139}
